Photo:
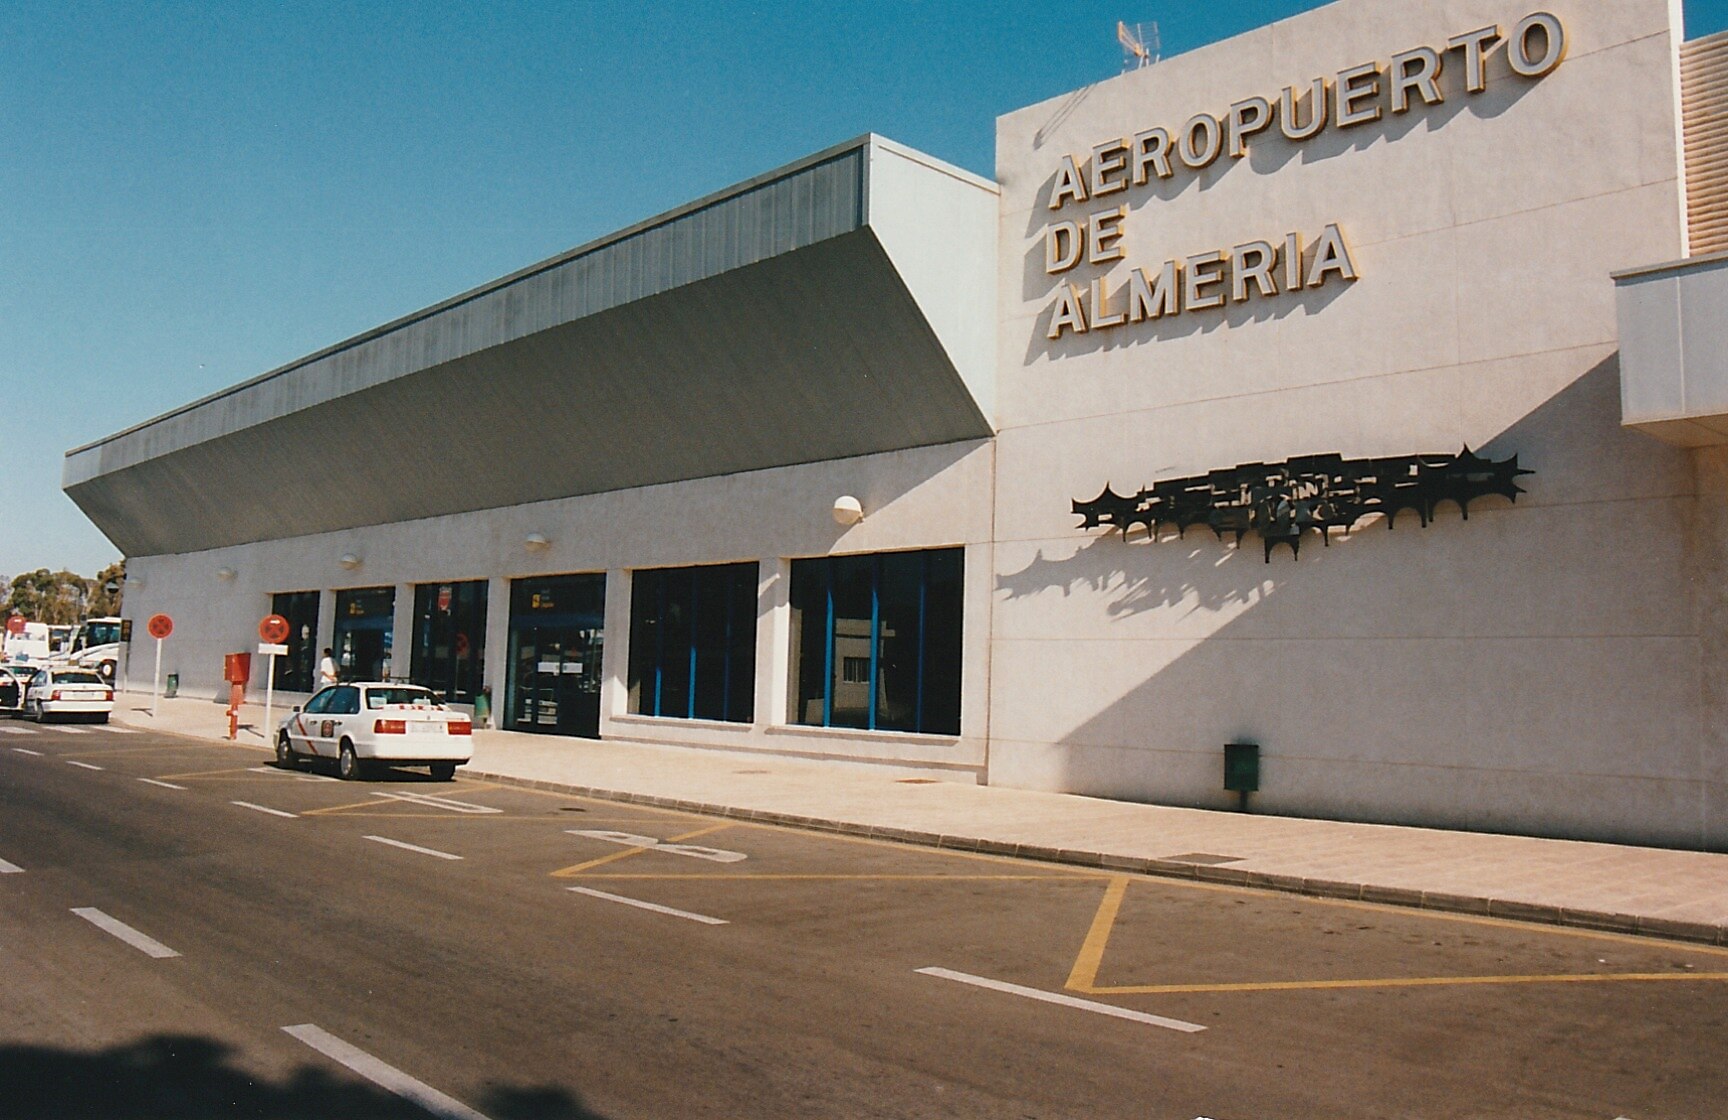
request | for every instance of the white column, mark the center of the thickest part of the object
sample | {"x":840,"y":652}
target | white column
{"x":774,"y":642}
{"x":497,"y":642}
{"x":615,"y":657}
{"x":402,"y":632}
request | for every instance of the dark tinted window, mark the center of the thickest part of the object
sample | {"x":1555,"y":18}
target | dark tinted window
{"x":693,"y":642}
{"x":877,"y":641}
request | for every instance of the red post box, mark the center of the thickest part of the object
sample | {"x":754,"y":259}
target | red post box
{"x":236,"y":670}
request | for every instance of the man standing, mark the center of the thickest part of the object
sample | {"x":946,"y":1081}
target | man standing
{"x":327,"y":668}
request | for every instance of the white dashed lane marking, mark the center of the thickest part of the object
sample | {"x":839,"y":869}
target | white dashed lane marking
{"x":436,"y":802}
{"x":381,"y":1074}
{"x":10,"y":868}
{"x":412,"y":847}
{"x":263,"y":809}
{"x":159,"y":782}
{"x":658,"y":909}
{"x":1063,"y":1001}
{"x":28,"y":751}
{"x":83,"y":765}
{"x":149,"y":946}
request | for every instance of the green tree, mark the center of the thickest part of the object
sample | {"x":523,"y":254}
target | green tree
{"x":57,"y":598}
{"x":103,"y":601}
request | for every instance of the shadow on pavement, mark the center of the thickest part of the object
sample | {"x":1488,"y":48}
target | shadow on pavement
{"x":191,"y":1078}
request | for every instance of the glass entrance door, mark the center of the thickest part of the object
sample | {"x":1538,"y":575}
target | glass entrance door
{"x":557,"y":634}
{"x":557,"y":674}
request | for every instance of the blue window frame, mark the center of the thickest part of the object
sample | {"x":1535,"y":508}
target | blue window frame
{"x":693,"y":642}
{"x":878,"y":641}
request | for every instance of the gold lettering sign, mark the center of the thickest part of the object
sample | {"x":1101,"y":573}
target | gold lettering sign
{"x":1354,"y":96}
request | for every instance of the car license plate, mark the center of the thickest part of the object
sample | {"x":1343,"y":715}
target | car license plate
{"x":424,"y":726}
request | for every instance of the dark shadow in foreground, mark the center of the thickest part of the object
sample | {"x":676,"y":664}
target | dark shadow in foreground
{"x":183,"y":1077}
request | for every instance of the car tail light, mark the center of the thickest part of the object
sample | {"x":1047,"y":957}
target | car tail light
{"x":55,"y":695}
{"x":460,"y":727}
{"x":390,"y":726}
{"x":107,"y":694}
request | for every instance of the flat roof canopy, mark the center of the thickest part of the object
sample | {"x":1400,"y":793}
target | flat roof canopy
{"x":841,"y":306}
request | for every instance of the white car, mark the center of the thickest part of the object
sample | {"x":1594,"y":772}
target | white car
{"x":13,"y":680}
{"x":366,"y":722}
{"x":69,"y":693}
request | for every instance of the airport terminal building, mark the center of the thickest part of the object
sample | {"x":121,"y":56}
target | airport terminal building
{"x":1355,"y":388}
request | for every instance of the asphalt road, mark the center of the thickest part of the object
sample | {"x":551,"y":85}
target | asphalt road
{"x":187,"y":931}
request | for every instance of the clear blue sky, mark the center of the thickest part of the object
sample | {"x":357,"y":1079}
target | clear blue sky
{"x":192,"y":194}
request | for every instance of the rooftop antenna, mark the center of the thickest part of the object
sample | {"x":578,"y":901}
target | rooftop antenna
{"x":1140,"y":44}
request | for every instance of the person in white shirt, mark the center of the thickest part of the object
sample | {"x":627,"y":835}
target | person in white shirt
{"x":327,"y":669}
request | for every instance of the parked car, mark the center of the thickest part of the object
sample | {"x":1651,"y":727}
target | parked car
{"x":70,"y":693}
{"x":367,"y":722}
{"x":13,"y":681}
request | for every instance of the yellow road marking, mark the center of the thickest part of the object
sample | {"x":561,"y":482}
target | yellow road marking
{"x":1085,"y":971}
{"x":124,"y":750}
{"x":577,"y":869}
{"x":203,"y":774}
{"x":372,"y":804}
{"x":823,"y":877}
{"x":1452,"y":916}
{"x":1400,"y":982}
{"x":1083,"y":977}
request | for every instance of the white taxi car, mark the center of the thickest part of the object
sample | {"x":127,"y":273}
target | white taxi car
{"x":14,"y":678}
{"x":366,"y":722}
{"x":70,"y":693}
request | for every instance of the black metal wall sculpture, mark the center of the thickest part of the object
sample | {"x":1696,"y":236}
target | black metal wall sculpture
{"x":1281,"y":501}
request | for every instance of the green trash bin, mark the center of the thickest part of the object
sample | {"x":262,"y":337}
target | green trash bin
{"x":173,"y":688}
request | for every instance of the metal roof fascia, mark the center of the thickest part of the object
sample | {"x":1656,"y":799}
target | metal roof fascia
{"x":666,"y":218}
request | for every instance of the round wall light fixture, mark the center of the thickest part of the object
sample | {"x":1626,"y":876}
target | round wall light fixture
{"x":536,"y":542}
{"x":848,"y":510}
{"x":226,"y":574}
{"x":349,"y":561}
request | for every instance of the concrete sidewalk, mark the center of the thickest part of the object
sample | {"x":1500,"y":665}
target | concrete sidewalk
{"x":1597,"y":886}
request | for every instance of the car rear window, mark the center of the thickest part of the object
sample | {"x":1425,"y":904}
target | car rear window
{"x":380,"y":697}
{"x":77,"y":678}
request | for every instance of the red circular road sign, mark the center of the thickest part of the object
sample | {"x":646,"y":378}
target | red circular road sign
{"x":160,"y":626}
{"x":15,"y":624}
{"x":274,"y":629}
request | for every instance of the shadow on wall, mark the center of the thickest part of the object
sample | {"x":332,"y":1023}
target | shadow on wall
{"x":1392,"y":647}
{"x":192,"y":1078}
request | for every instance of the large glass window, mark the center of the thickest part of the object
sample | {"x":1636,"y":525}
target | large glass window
{"x":365,"y":624}
{"x":300,"y":608}
{"x":693,"y":642}
{"x":449,"y":651}
{"x":877,"y":641}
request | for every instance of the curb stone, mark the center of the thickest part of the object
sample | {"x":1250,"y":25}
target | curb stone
{"x":1481,"y":906}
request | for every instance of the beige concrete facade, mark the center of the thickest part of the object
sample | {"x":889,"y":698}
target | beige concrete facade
{"x":923,"y":498}
{"x":1538,"y":668}
{"x":1550,"y":666}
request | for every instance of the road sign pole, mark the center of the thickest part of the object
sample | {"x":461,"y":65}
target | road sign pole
{"x":269,"y":695}
{"x":160,"y":626}
{"x":274,"y":630}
